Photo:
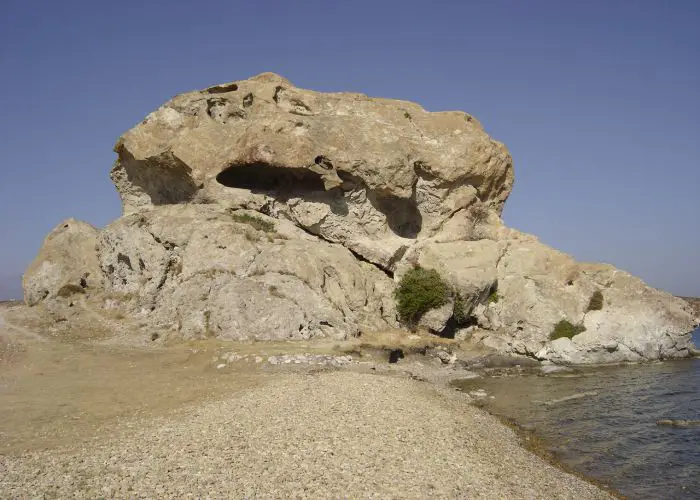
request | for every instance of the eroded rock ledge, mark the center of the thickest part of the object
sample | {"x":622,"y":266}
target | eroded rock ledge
{"x":256,"y":209}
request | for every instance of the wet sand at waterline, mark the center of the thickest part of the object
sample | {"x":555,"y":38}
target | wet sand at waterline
{"x":87,"y":420}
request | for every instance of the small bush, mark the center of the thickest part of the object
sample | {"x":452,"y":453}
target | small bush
{"x":419,"y":291}
{"x":596,"y":302}
{"x":494,"y":298}
{"x":255,"y":222}
{"x":565,"y":329}
{"x":460,"y":310}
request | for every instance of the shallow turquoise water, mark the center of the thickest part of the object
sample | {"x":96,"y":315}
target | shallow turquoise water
{"x":608,"y":431}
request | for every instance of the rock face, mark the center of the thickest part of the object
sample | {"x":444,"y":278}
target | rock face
{"x":256,"y":209}
{"x":67,"y":264}
{"x":541,"y":286}
{"x":200,"y":271}
{"x":371,"y":174}
{"x":694,"y":303}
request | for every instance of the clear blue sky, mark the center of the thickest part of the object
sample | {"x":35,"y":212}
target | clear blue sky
{"x":598,"y":102}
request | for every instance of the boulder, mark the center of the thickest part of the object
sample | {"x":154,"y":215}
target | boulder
{"x":468,"y":266}
{"x":539,"y":286}
{"x":436,"y":319}
{"x":372,"y":174}
{"x":258,"y":210}
{"x":66,"y":266}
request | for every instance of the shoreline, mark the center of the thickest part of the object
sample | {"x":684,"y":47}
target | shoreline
{"x":390,"y":418}
{"x":472,"y":441}
{"x":597,"y":419}
{"x":527,"y":439}
{"x":418,"y":366}
{"x":536,"y":445}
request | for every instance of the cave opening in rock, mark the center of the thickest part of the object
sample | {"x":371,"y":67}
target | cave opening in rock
{"x":402,"y":215}
{"x":279,"y":181}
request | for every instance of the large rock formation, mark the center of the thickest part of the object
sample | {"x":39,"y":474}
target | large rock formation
{"x":371,"y":174}
{"x":256,"y":209}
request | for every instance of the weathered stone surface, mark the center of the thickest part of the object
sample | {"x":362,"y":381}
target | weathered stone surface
{"x":468,"y":266}
{"x":540,"y":286}
{"x":695,"y":304}
{"x":66,"y":265}
{"x":370,"y":173}
{"x":198,"y":271}
{"x":256,"y":209}
{"x":436,"y":319}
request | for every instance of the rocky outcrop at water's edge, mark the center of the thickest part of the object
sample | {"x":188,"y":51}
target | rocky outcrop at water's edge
{"x":259,"y":210}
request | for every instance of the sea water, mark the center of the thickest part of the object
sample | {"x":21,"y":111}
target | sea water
{"x":602,"y":422}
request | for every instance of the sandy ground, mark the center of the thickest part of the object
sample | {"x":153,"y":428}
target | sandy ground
{"x":92,"y":421}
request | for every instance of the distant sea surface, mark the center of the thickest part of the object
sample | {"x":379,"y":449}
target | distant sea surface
{"x":608,"y":430}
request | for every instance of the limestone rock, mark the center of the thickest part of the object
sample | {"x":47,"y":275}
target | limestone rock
{"x":258,"y":210}
{"x":372,"y":174}
{"x":540,"y":286}
{"x":695,"y":304}
{"x":436,"y":319}
{"x":468,"y":266}
{"x":200,"y":271}
{"x":66,"y":265}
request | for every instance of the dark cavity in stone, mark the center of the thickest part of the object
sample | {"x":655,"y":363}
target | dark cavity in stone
{"x":282,"y":183}
{"x":221,"y":89}
{"x":276,"y":181}
{"x":124,"y":259}
{"x":395,"y":355}
{"x":323,"y":162}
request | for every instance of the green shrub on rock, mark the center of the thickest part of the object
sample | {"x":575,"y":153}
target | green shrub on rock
{"x":460,"y":310}
{"x":596,"y":302}
{"x":565,"y":329}
{"x":419,"y":291}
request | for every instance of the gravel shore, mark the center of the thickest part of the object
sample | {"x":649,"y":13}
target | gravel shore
{"x":330,"y":434}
